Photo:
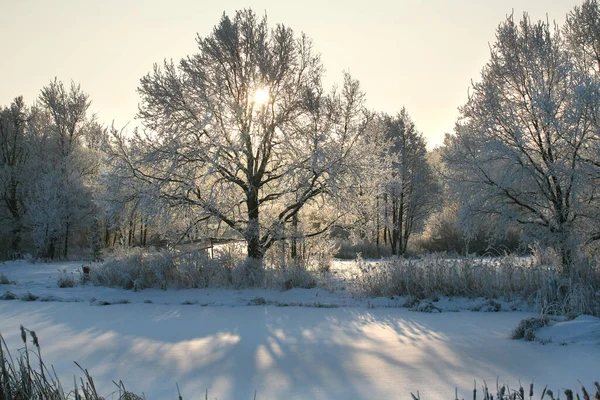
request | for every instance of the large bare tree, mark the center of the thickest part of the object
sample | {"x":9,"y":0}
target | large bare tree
{"x":243,"y":132}
{"x":516,"y":154}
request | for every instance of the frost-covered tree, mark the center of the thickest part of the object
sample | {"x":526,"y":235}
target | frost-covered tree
{"x":516,"y":152}
{"x":243,"y":133}
{"x":582,"y":32}
{"x":63,"y":158}
{"x":363,"y":198}
{"x":411,"y":191}
{"x":14,"y":155}
{"x":128,"y":209}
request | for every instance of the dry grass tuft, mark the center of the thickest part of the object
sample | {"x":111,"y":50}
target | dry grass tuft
{"x":28,"y":378}
{"x":504,"y":392}
{"x":66,"y":280}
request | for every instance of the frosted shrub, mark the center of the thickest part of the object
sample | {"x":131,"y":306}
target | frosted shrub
{"x":568,"y":297}
{"x":197,"y":270}
{"x":349,"y":250}
{"x":292,"y":275}
{"x":527,"y":327}
{"x":316,"y":254}
{"x":543,"y":255}
{"x":153,"y":269}
{"x":140,"y":270}
{"x":376,"y":280}
{"x":507,"y":277}
{"x":319,"y":252}
{"x":248,"y":273}
{"x":66,"y":280}
{"x":434,"y":275}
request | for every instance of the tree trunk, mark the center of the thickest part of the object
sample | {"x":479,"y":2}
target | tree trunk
{"x":106,"y":235}
{"x":395,"y":232}
{"x":294,"y":247}
{"x":386,"y":221}
{"x":130,"y":235}
{"x":16,"y":239}
{"x":145,"y":234}
{"x":13,"y":206}
{"x":377,"y":227}
{"x":67,"y":226}
{"x":255,"y":250}
{"x":401,"y":244}
{"x":407,"y":229}
{"x":566,"y":258}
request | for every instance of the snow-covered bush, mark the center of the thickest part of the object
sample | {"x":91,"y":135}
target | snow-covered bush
{"x":543,"y":255}
{"x":66,"y":280}
{"x":292,"y":275}
{"x":159,"y":269}
{"x":527,"y":327}
{"x":248,"y":273}
{"x":140,"y":270}
{"x":28,"y":296}
{"x":8,"y":295}
{"x":436,"y":275}
{"x":568,"y":297}
{"x":315,"y":254}
{"x":319,"y":252}
{"x":349,"y":250}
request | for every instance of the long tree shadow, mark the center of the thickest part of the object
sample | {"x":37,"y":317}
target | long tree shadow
{"x":280,"y":352}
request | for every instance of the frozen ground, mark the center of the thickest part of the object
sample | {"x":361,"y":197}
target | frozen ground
{"x":222,"y":344}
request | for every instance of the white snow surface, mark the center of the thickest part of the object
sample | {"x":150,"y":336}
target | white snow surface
{"x":363,"y":349}
{"x":583,"y":330}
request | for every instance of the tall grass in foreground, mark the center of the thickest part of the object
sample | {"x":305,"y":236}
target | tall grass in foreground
{"x":505,"y":393}
{"x":28,"y":378}
{"x":507,"y":277}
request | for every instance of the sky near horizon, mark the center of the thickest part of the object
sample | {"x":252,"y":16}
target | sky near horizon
{"x":418,"y":54}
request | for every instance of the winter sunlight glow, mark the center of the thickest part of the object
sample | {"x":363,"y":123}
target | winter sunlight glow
{"x":261,"y":96}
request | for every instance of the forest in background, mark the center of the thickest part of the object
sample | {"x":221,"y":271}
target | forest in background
{"x":241,"y":141}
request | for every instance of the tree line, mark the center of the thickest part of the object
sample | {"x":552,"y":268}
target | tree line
{"x":242,"y":140}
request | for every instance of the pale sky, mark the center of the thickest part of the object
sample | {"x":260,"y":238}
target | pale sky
{"x":421,"y":54}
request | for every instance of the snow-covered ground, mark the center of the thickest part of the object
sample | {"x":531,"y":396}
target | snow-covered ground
{"x":363,"y":349}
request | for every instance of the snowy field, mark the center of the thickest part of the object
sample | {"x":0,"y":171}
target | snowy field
{"x":221,"y":340}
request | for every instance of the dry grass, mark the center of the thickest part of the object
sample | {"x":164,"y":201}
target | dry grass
{"x":27,"y":377}
{"x":171,"y":269}
{"x":8,"y":295}
{"x":508,"y":277}
{"x":503,"y":277}
{"x":504,"y":392}
{"x":66,"y":280}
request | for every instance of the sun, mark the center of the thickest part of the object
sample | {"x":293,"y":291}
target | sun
{"x":261,"y":96}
